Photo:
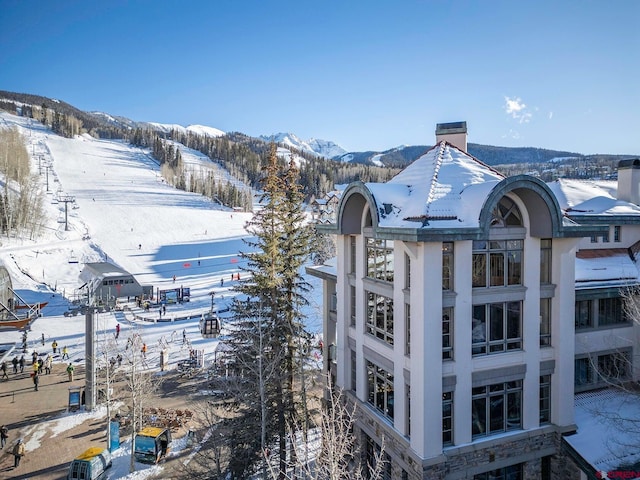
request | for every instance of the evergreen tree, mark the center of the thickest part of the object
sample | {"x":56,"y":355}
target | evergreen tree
{"x":268,"y":324}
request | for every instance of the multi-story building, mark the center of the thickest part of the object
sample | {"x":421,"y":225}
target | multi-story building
{"x":605,"y":336}
{"x":449,"y":316}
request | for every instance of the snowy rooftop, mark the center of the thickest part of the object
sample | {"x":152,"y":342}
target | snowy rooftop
{"x":605,"y":267}
{"x":591,"y":197}
{"x":606,"y":437}
{"x":445,"y":187}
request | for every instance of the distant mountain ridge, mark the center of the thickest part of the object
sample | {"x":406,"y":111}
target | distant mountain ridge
{"x":104,"y":124}
{"x":315,"y":146}
{"x":400,"y":157}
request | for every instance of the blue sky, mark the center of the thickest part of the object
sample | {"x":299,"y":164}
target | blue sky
{"x":369,"y":75}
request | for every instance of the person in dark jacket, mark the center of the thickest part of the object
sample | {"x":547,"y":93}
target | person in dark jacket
{"x":4,"y":434}
{"x":36,"y":380}
{"x":18,"y":453}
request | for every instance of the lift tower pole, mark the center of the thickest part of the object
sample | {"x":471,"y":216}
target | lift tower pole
{"x":66,"y":199}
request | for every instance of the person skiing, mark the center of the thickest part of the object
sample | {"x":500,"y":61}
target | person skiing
{"x":144,"y":350}
{"x":70,"y":370}
{"x":65,"y":353}
{"x":18,"y":453}
{"x":117,"y":330}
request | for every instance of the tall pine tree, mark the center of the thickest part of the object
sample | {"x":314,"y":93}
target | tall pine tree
{"x":268,"y":324}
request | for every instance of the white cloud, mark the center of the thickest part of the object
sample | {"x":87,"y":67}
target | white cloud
{"x":517,"y":109}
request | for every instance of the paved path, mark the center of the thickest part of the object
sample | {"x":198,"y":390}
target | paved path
{"x":41,"y":419}
{"x":24,"y":411}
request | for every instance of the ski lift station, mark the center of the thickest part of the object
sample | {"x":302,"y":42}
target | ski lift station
{"x":105,"y":281}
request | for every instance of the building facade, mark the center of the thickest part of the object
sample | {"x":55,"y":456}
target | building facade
{"x":450,"y":317}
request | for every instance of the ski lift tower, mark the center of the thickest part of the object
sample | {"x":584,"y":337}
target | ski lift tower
{"x":66,"y":199}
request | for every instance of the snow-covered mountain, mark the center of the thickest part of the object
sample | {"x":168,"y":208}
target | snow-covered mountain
{"x":197,"y":129}
{"x":315,"y":146}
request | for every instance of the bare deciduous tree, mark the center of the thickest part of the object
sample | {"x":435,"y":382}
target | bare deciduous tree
{"x":338,"y":456}
{"x":21,"y":204}
{"x":140,"y":384}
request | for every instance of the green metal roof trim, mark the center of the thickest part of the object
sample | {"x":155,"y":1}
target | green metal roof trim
{"x":519,"y":184}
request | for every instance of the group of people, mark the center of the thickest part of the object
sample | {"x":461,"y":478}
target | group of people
{"x":40,"y":366}
{"x":64,"y":350}
{"x":115,"y":360}
{"x":18,"y":364}
{"x":18,"y":449}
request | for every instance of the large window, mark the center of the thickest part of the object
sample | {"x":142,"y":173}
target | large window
{"x":380,"y":317}
{"x":373,"y":453}
{"x":407,"y":271}
{"x":380,"y":259}
{"x":352,"y":254}
{"x":545,"y":322}
{"x":447,"y":418}
{"x":447,"y":266}
{"x":380,"y":384}
{"x":610,"y":311}
{"x":617,"y":237}
{"x":584,"y":372}
{"x":354,"y":375}
{"x":545,"y":399}
{"x":545,"y":260}
{"x":614,"y":367}
{"x":407,"y":409}
{"x":603,"y":369}
{"x":496,"y":408}
{"x":407,"y":329}
{"x":583,"y":314}
{"x":497,"y":263}
{"x":506,"y":214}
{"x":496,"y":328}
{"x":600,"y":312}
{"x":447,"y":333}
{"x":352,"y":306}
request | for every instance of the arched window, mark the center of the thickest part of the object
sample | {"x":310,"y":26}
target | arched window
{"x":506,"y":214}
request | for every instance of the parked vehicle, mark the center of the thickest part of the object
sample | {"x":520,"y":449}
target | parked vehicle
{"x":91,"y":465}
{"x":152,"y":444}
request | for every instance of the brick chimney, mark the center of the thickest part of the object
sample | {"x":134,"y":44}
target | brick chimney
{"x":455,"y":133}
{"x":629,"y":180}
